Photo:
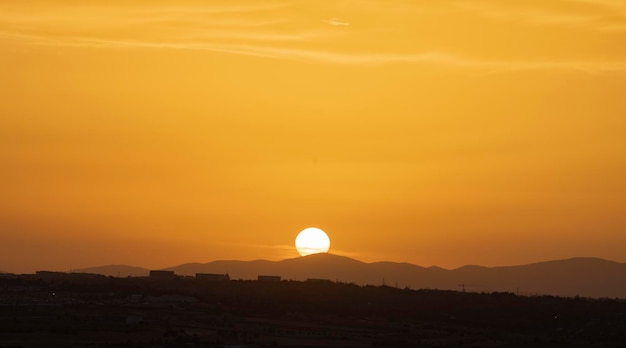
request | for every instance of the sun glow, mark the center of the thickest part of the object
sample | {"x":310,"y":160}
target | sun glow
{"x":312,"y":240}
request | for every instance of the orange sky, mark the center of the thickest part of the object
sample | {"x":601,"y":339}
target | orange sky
{"x":433,"y":132}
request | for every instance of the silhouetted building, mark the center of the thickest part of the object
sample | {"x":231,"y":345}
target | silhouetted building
{"x":164,"y":275}
{"x":268,"y":278}
{"x":212,"y":276}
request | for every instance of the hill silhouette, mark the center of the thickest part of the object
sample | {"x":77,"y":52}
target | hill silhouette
{"x":587,"y":277}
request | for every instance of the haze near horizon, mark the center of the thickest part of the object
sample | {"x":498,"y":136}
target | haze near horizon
{"x":437,"y":133}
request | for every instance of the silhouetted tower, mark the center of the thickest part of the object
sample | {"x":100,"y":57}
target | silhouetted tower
{"x":463,"y":285}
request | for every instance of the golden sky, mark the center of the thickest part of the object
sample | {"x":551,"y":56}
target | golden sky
{"x":443,"y":132}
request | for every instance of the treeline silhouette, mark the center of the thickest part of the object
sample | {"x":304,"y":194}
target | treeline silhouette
{"x":389,"y":316}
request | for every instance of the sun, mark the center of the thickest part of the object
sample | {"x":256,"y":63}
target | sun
{"x":312,"y":240}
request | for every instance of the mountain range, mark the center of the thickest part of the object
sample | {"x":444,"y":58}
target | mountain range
{"x":586,"y":277}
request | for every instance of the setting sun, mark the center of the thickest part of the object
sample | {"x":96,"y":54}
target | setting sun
{"x":312,"y":240}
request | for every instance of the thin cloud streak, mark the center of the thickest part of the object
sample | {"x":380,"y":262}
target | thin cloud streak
{"x":279,"y":251}
{"x":358,"y":59}
{"x":101,"y":20}
{"x":599,"y":21}
{"x":288,"y":251}
{"x":337,"y":22}
{"x":78,"y":13}
{"x":253,"y":36}
{"x":607,"y":11}
{"x":617,"y":6}
{"x":149,"y":19}
{"x":159,"y":28}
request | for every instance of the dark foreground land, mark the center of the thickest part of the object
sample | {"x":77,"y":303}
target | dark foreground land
{"x":98,"y":311}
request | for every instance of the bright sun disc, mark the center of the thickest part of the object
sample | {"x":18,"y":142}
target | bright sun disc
{"x":312,"y":240}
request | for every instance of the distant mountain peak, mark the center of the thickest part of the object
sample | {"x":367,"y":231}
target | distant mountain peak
{"x":584,"y":276}
{"x":325,"y":257}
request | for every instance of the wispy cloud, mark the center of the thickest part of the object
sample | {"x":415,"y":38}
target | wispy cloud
{"x":141,"y":20}
{"x":548,"y":16}
{"x":268,"y":251}
{"x":617,"y":6}
{"x":335,"y":57}
{"x":337,"y":22}
{"x":274,"y":34}
{"x":531,"y":12}
{"x":534,"y":16}
{"x":286,"y":251}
